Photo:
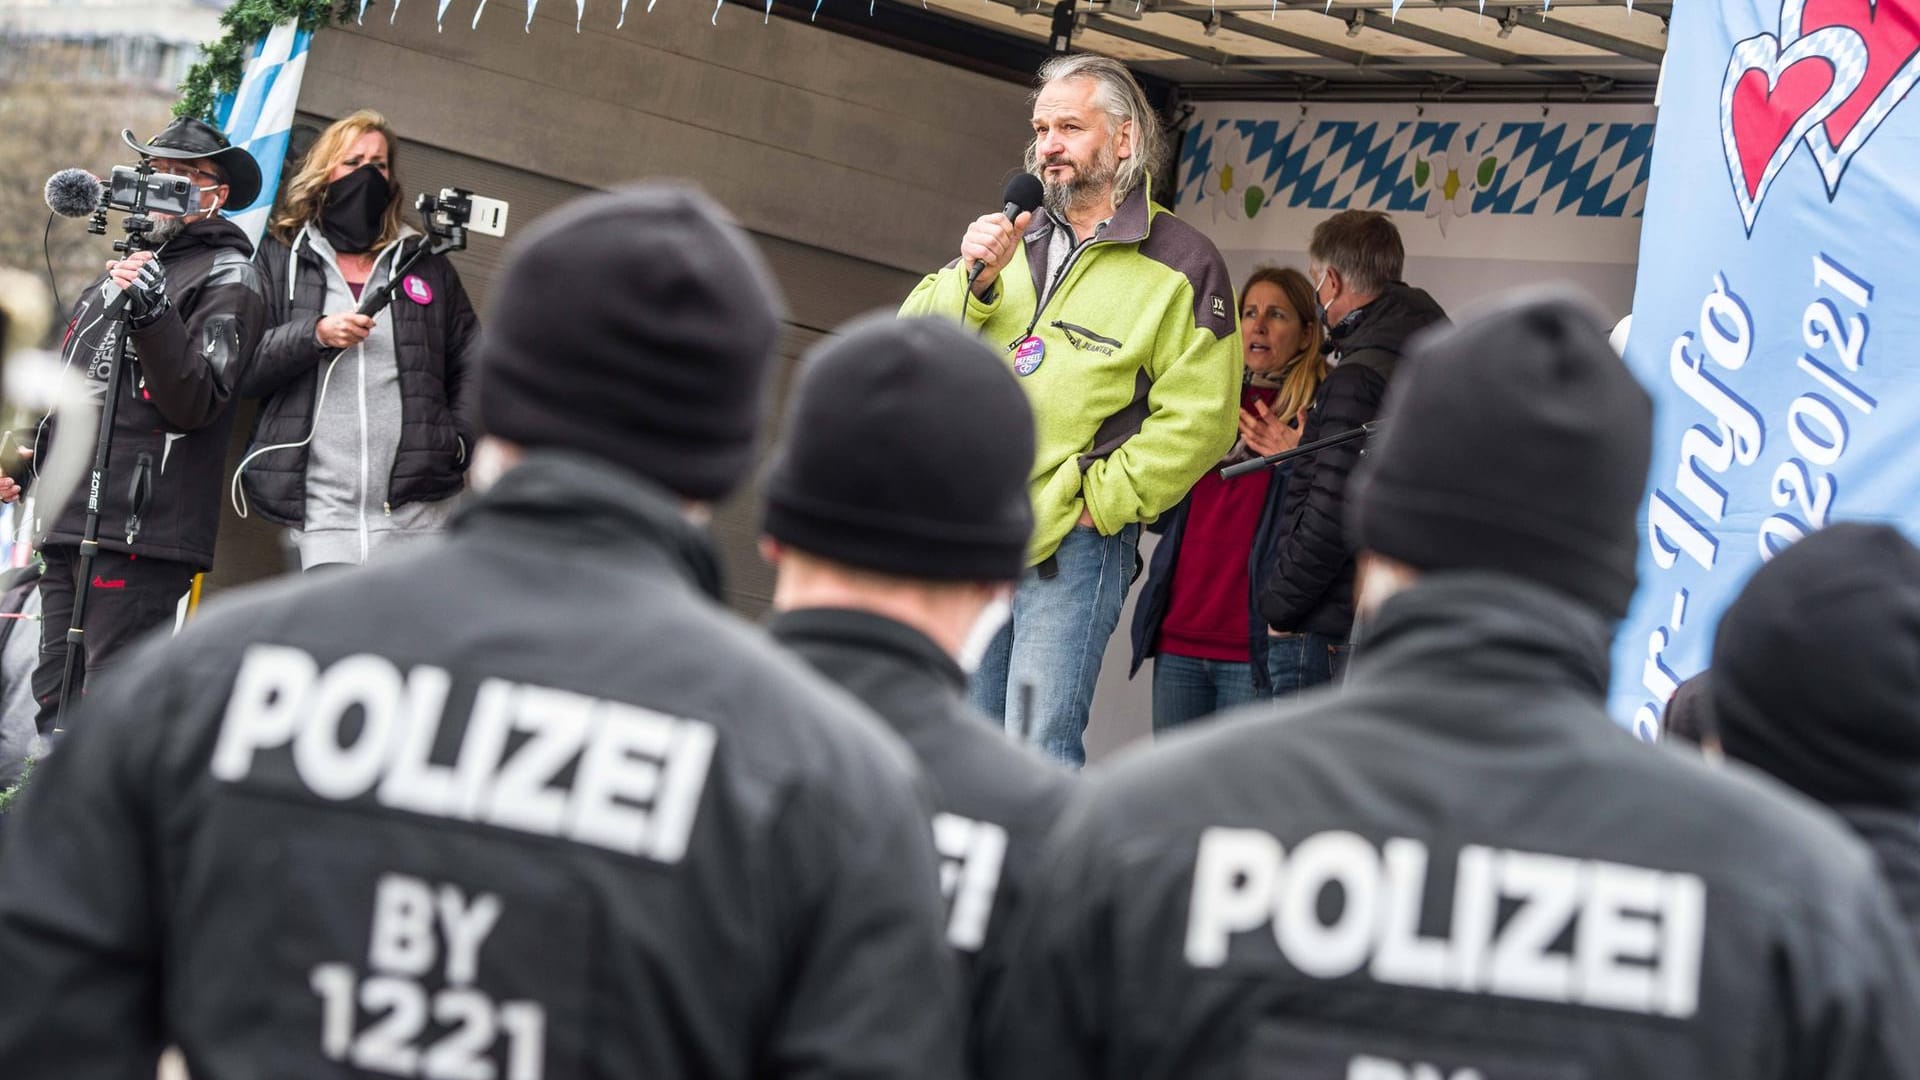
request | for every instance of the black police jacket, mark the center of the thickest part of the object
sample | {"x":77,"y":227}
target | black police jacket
{"x":994,"y":799}
{"x":175,"y":409}
{"x":1893,"y":835}
{"x":524,"y":803}
{"x":1457,"y":866}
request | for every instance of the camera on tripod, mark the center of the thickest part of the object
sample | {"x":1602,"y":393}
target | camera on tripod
{"x":450,"y":215}
{"x":133,"y":190}
{"x":139,"y":191}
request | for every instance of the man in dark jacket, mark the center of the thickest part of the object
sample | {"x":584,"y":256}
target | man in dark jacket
{"x":1816,"y":680}
{"x":1356,"y":259}
{"x":194,"y":311}
{"x":1447,"y":870}
{"x":524,"y":802}
{"x":897,"y":514}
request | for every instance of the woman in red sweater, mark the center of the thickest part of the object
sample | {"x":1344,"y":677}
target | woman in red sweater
{"x":1196,"y":615}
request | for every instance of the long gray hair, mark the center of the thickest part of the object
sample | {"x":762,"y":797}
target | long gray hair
{"x":1121,"y":98}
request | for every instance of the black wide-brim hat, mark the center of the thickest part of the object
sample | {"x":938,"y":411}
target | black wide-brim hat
{"x":188,"y":138}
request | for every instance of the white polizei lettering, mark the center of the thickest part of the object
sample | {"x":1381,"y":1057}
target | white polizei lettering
{"x":343,"y":771}
{"x":272,"y":684}
{"x":1404,"y":957}
{"x":1522,"y":965}
{"x":466,"y":926}
{"x":689,"y":759}
{"x":1577,"y":931}
{"x":1234,"y":879}
{"x":1617,"y":940}
{"x":611,"y":771}
{"x":402,"y":941}
{"x":489,"y":727}
{"x":1476,"y":905}
{"x":971,"y":856}
{"x":1683,"y":937}
{"x":1368,"y":1067}
{"x":557,"y":722}
{"x":413,"y":782}
{"x":951,"y":833}
{"x":1328,"y":950}
{"x":610,"y":774}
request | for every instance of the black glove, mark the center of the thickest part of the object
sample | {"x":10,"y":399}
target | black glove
{"x":147,"y":298}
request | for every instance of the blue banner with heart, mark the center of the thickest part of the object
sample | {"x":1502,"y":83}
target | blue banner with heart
{"x":1776,"y":307}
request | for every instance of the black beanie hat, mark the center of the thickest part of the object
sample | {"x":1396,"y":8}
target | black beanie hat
{"x":1515,"y":441}
{"x":1688,"y":716}
{"x":906,"y":451}
{"x":637,"y":326}
{"x":1816,"y":668}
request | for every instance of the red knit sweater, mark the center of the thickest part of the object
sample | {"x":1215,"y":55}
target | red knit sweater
{"x":1207,"y":605}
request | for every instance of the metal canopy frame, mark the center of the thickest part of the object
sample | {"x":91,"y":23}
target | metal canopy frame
{"x":1316,"y":50}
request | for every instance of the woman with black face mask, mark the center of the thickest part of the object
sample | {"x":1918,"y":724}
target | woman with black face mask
{"x":370,"y":448}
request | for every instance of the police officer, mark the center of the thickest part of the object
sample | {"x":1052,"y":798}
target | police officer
{"x":897,"y":515}
{"x":524,"y":803}
{"x":1816,"y":682}
{"x":1459,"y":866}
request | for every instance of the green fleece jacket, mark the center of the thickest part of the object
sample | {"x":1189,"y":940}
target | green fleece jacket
{"x":1137,"y":391}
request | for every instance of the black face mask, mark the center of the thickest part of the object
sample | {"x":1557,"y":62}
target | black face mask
{"x":355,"y":208}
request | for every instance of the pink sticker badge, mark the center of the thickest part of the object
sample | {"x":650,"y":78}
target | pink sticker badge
{"x":417,"y":289}
{"x":1027,"y":356}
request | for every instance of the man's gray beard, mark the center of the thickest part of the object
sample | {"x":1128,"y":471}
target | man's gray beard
{"x":1085,"y":187}
{"x":165,"y":229}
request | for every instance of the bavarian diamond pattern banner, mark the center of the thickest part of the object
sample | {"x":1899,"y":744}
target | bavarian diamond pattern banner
{"x":1468,"y":161}
{"x":259,"y":114}
{"x":1777,"y":306}
{"x":1486,"y":197}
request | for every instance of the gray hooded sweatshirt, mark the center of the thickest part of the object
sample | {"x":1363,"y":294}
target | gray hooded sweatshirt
{"x":356,"y":431}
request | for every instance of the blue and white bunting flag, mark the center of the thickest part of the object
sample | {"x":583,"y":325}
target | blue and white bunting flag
{"x":259,"y":115}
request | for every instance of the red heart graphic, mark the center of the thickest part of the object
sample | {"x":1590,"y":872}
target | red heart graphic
{"x":1763,"y":118}
{"x":1891,"y":30}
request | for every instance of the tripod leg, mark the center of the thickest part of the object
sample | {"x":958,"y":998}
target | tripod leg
{"x":73,"y":674}
{"x":56,"y":615}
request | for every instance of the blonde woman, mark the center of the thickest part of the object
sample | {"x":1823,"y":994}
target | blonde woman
{"x":368,"y":448}
{"x":1197,"y":613}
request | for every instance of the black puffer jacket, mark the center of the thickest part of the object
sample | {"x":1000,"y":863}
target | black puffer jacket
{"x":1311,"y":587}
{"x":437,"y":345}
{"x":668,"y":850}
{"x":170,"y":428}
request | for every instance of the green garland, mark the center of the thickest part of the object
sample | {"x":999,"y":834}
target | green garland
{"x":222,"y":62}
{"x":12,"y":794}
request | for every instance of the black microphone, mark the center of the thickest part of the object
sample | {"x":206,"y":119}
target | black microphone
{"x":73,"y":193}
{"x":1023,"y":193}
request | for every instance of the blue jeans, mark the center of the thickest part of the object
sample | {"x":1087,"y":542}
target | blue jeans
{"x":1055,"y":641}
{"x":1297,"y":662}
{"x":1186,"y":688}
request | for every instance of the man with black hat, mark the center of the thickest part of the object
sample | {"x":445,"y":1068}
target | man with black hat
{"x":897,"y":515}
{"x":525,"y":802}
{"x":1816,"y":681}
{"x":1447,"y":870}
{"x":194,"y":308}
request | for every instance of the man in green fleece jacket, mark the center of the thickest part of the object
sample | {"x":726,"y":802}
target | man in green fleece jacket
{"x":1121,"y":323}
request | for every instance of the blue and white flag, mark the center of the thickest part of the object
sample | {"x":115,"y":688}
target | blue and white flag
{"x":259,"y":115}
{"x":1776,"y":308}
